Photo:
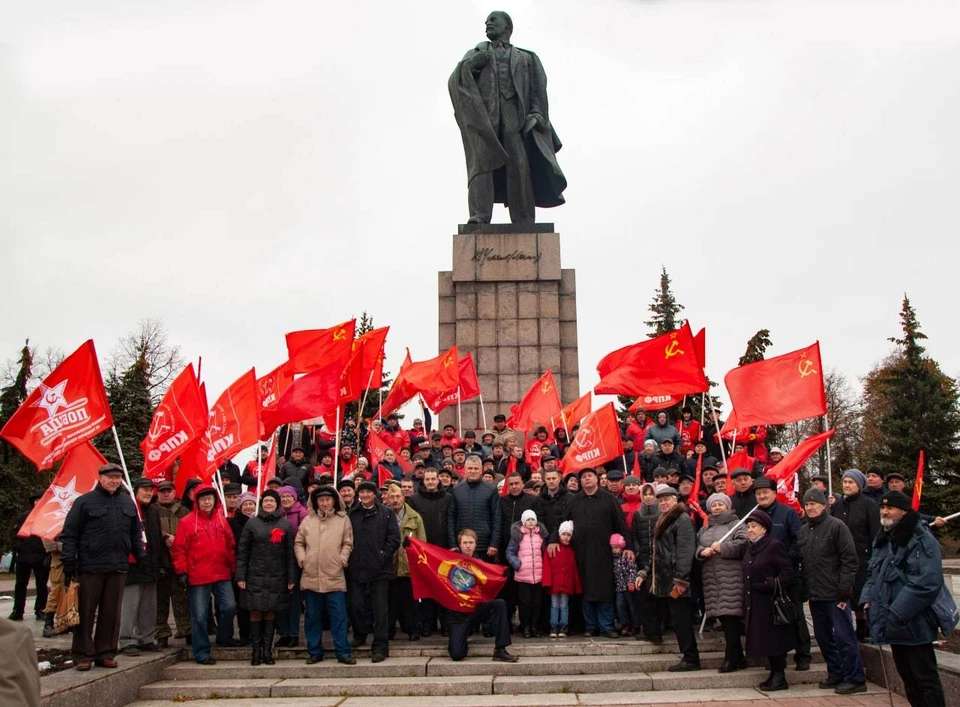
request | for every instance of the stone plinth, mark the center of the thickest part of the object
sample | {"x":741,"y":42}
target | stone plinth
{"x":509,"y":303}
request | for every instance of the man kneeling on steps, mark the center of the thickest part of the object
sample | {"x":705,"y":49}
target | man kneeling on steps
{"x":460,"y":625}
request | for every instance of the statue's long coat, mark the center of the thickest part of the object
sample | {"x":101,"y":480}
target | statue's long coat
{"x":476,"y":107}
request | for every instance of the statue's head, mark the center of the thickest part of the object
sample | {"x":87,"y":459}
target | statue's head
{"x":499,"y":25}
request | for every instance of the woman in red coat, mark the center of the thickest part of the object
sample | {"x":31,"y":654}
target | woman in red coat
{"x":560,"y":575}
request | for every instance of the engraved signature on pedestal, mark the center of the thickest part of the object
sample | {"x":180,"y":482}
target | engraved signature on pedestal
{"x":487,"y":255}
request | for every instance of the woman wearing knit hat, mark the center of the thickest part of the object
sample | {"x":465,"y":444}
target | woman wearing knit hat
{"x":246,"y":509}
{"x":721,"y":572}
{"x":266,"y":572}
{"x":766,"y":568}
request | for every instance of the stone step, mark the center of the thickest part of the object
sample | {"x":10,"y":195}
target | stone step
{"x":288,"y":668}
{"x":707,"y":680}
{"x":797,"y":694}
{"x":216,"y":686}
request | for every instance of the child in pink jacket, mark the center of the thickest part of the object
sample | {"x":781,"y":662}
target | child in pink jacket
{"x":528,"y":542}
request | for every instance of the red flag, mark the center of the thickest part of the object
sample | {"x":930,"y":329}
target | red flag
{"x":313,"y":395}
{"x":740,"y":460}
{"x":313,"y":349}
{"x":453,"y":580}
{"x":700,"y":346}
{"x":667,"y":364}
{"x":68,"y":408}
{"x":179,"y":419}
{"x":376,"y":448}
{"x":918,"y":485}
{"x":234,"y":420}
{"x":468,"y":388}
{"x":193,"y":465}
{"x":273,"y":385}
{"x":779,"y":390}
{"x":572,"y":413}
{"x":511,"y":469}
{"x":440,"y":373}
{"x":539,"y":404}
{"x":655,"y":402}
{"x":77,"y":475}
{"x":693,"y":498}
{"x":786,"y":468}
{"x":731,"y":428}
{"x":365,"y":368}
{"x":597,"y":441}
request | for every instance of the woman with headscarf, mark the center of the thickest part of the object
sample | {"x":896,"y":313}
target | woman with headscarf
{"x":766,"y":567}
{"x":266,"y":571}
{"x":721,"y":571}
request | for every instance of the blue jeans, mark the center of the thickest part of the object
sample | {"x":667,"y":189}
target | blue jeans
{"x":332,"y":605}
{"x":837,"y":637}
{"x":598,"y":615}
{"x":199,"y":598}
{"x":559,"y":610}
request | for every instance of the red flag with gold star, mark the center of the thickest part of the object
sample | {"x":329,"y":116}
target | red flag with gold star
{"x":313,"y":349}
{"x":453,"y":580}
{"x":440,"y":373}
{"x":779,"y":390}
{"x":918,"y":485}
{"x":539,"y":404}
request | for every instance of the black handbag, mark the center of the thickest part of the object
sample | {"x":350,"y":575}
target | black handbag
{"x":784,"y":611}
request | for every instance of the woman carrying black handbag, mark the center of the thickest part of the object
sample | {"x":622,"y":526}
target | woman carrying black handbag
{"x":767,"y":572}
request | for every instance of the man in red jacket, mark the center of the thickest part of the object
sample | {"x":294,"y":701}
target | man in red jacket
{"x":204,"y":559}
{"x":393,"y":435}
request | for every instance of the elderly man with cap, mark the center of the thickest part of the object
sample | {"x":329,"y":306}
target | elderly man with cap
{"x":874,"y":489}
{"x":376,"y":537}
{"x":204,"y":558}
{"x":742,"y":497}
{"x":615,"y":480}
{"x":323,"y":546}
{"x":668,"y":571}
{"x":138,"y":617}
{"x":170,"y":510}
{"x":231,"y":496}
{"x":828,"y":567}
{"x":596,"y":515}
{"x":100,"y":534}
{"x":785,"y":529}
{"x":668,"y":457}
{"x":905,"y":578}
{"x":862,"y":516}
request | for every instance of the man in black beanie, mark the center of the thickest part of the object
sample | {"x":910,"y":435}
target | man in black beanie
{"x":905,"y":578}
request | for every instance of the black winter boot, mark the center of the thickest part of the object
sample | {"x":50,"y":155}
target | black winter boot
{"x":256,"y":642}
{"x":269,"y":628}
{"x":777,"y":681}
{"x":48,"y":630}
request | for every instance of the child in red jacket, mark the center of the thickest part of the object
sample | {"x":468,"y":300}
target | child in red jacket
{"x":561,"y":576}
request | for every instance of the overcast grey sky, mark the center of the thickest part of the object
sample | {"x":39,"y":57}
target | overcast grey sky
{"x":242,"y":169}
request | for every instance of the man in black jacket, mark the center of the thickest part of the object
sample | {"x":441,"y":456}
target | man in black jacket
{"x":376,"y":537}
{"x":138,"y":617}
{"x":31,"y":558}
{"x":554,"y":500}
{"x":100,"y":532}
{"x":862,"y":516}
{"x":828,"y":567}
{"x":474,"y":504}
{"x":298,"y":467}
{"x":742,"y":498}
{"x":432,"y":503}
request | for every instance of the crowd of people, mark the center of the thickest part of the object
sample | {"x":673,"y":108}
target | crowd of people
{"x":616,"y":551}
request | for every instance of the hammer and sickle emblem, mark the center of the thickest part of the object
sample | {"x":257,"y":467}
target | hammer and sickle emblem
{"x":673,"y":348}
{"x":805,"y":367}
{"x":448,"y":361}
{"x":422,"y":557}
{"x":545,"y":388}
{"x":340,"y":334}
{"x":919,"y":485}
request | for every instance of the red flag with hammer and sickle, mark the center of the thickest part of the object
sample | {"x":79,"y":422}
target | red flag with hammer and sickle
{"x":440,"y":373}
{"x":666,"y":365}
{"x":779,"y":390}
{"x":539,"y":404}
{"x":453,"y":580}
{"x":313,"y":349}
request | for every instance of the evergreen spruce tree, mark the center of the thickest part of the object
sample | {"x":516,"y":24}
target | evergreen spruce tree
{"x":18,"y":476}
{"x":756,"y":348}
{"x":129,"y":395}
{"x":372,"y":403}
{"x":909,"y":405}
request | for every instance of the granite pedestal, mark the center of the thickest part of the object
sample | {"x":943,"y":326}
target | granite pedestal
{"x":509,"y":303}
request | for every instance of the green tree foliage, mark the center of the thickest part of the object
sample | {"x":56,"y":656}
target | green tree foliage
{"x":909,"y":405}
{"x":372,"y":403}
{"x":18,"y":476}
{"x":756,"y":348}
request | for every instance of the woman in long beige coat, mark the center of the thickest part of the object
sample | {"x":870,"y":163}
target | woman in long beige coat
{"x":323,"y":545}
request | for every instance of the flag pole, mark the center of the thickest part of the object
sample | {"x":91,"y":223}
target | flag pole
{"x":625,"y":471}
{"x":128,"y":483}
{"x":702,"y":409}
{"x":223,"y":500}
{"x":336,"y":451}
{"x":719,"y":436}
{"x":738,"y":524}
{"x":366,"y":392}
{"x":829,"y":469}
{"x":947,"y":518}
{"x":459,"y":416}
{"x":483,"y":413}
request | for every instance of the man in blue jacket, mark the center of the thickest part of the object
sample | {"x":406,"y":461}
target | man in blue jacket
{"x":905,"y":577}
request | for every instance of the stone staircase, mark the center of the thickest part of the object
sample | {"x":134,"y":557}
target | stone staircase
{"x":550,"y":672}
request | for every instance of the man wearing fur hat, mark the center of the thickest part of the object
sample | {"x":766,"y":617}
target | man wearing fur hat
{"x":905,"y":577}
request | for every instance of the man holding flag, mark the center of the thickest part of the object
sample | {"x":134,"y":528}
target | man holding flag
{"x":99,"y":535}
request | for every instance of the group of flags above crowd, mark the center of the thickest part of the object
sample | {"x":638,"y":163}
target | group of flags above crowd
{"x":327,"y":368}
